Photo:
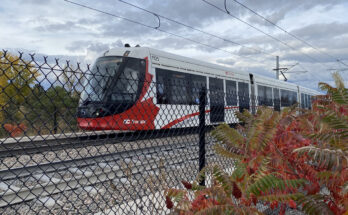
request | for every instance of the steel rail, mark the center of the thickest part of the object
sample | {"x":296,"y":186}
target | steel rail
{"x":15,"y":173}
{"x":27,"y":146}
{"x":54,"y":186}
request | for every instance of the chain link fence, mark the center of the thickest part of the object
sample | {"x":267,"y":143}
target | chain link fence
{"x":106,"y":139}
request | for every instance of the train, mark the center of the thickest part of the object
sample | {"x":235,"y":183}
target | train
{"x":141,"y":88}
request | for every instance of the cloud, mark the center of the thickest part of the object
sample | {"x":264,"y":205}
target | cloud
{"x":66,"y":26}
{"x":275,"y":17}
{"x":272,"y":5}
{"x":195,"y":13}
{"x":88,"y":45}
{"x":244,"y":51}
{"x":35,"y":2}
{"x":92,"y":49}
{"x":322,"y":31}
{"x":227,"y":61}
{"x":59,"y":28}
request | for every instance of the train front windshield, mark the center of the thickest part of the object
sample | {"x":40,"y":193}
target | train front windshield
{"x":113,"y":85}
{"x":103,"y":70}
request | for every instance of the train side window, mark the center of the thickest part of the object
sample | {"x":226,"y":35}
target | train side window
{"x":243,"y":96}
{"x":171,"y":87}
{"x":178,"y":88}
{"x":310,"y":102}
{"x":284,"y":98}
{"x":293,"y":97}
{"x":288,"y":98}
{"x":197,"y":84}
{"x":303,"y":102}
{"x":179,"y":93}
{"x":216,"y":84}
{"x":216,"y":90}
{"x":162,"y":86}
{"x":265,"y":95}
{"x":261,"y":92}
{"x":231,"y":92}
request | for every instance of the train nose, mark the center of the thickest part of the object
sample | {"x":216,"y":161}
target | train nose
{"x":92,"y":111}
{"x":91,"y":124}
{"x":85,"y":123}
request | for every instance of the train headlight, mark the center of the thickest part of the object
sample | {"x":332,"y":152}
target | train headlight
{"x":98,"y":112}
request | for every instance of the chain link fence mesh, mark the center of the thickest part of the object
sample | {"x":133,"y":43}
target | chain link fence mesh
{"x":106,"y":139}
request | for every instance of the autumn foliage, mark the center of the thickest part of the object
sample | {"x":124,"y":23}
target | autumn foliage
{"x":15,"y":130}
{"x":294,"y":159}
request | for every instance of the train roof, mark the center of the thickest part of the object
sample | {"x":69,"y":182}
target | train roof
{"x":142,"y":52}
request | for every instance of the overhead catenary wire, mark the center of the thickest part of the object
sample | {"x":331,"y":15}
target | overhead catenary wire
{"x":259,"y":30}
{"x":300,"y":65}
{"x":195,"y":29}
{"x":340,"y":61}
{"x":315,"y":78}
{"x":157,"y":29}
{"x":110,"y":14}
{"x":287,"y":32}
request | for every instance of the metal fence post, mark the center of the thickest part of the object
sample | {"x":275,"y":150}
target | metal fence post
{"x":202,"y":103}
{"x":55,"y":123}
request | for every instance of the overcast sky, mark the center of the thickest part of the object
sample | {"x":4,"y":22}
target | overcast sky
{"x":56,"y":27}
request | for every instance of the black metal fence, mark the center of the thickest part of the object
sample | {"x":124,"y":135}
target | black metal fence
{"x":81,"y":140}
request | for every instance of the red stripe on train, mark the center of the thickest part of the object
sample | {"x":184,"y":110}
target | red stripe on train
{"x":174,"y":122}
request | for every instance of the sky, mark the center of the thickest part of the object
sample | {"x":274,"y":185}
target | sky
{"x":59,"y":29}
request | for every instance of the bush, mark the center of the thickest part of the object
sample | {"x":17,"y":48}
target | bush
{"x":281,"y":160}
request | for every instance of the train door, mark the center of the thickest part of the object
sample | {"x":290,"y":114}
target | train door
{"x":276,"y":99}
{"x":243,"y":96}
{"x":217,"y":103}
{"x":252,"y":94}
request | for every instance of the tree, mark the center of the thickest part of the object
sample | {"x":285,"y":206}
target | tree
{"x":17,"y":76}
{"x":72,"y":80}
{"x":55,"y":108}
{"x":52,"y":109}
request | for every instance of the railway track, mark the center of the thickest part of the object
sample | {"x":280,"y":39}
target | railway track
{"x":31,"y":145}
{"x":87,"y":173}
{"x":30,"y":182}
{"x":14,"y":173}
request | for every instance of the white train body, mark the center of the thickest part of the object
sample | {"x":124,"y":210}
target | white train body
{"x":167,"y":110}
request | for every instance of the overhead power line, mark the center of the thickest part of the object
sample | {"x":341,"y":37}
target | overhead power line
{"x":170,"y":33}
{"x":287,"y":32}
{"x":338,"y":60}
{"x":259,"y":30}
{"x":195,"y":29}
{"x":155,"y":28}
{"x":338,"y":69}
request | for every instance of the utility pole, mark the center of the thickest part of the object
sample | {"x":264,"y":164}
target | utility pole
{"x":283,"y":70}
{"x":277,"y":67}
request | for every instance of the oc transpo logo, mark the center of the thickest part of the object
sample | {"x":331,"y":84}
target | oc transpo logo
{"x":133,"y":121}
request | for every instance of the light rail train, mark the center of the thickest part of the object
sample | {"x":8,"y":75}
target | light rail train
{"x":139,"y":88}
